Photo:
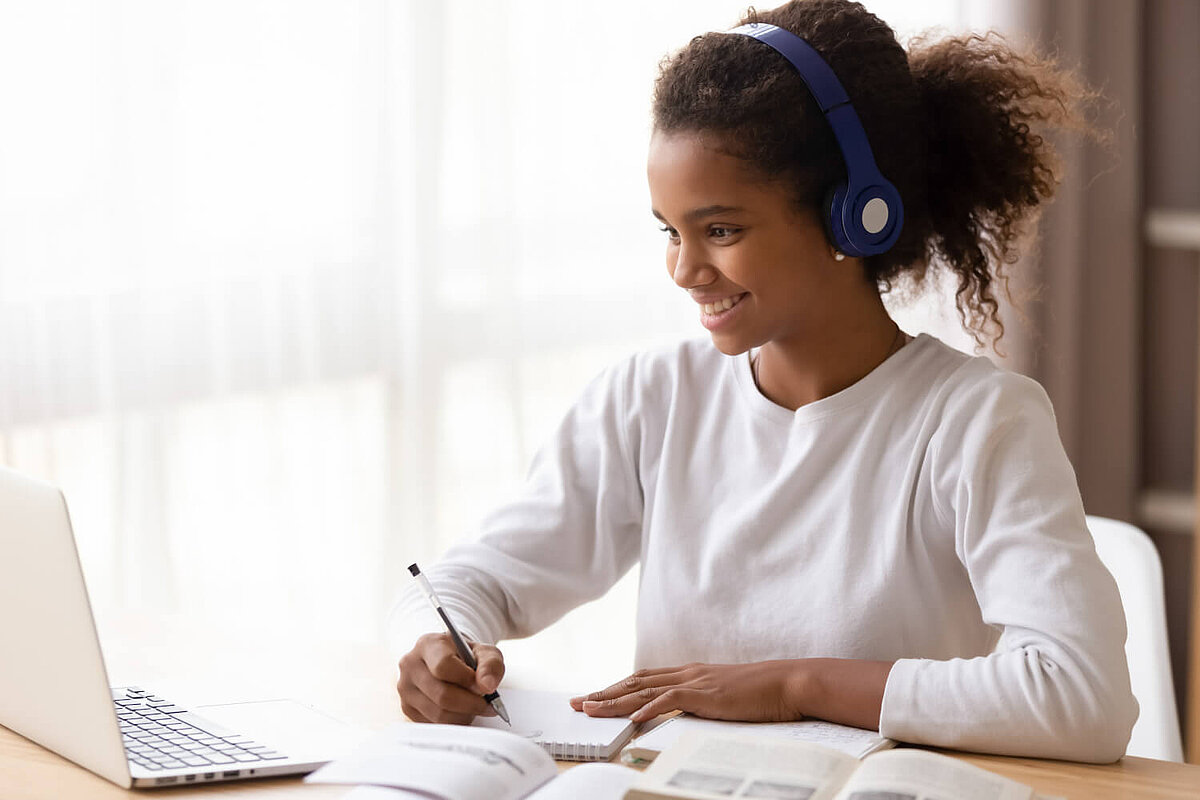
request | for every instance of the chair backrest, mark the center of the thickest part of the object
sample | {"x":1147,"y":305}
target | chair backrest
{"x":1132,"y":559}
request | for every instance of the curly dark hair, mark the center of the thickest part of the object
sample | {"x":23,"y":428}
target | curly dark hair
{"x":951,"y":123}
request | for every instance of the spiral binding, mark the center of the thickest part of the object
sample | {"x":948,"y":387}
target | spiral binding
{"x":572,"y":751}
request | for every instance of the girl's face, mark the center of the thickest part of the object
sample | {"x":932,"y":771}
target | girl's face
{"x":759,"y":270}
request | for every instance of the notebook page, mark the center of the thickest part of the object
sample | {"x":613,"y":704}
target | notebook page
{"x":852,"y":741}
{"x":548,"y":719}
{"x":585,"y":782}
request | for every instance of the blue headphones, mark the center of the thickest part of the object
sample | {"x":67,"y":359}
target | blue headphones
{"x":865,"y":212}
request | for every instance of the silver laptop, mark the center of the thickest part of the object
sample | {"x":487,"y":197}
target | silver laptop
{"x":54,"y":686}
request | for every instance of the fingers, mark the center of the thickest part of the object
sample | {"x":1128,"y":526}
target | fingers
{"x":646,"y":694}
{"x":442,"y":660}
{"x":435,"y":685}
{"x":639,"y":681}
{"x":407,"y":706}
{"x":425,"y":699}
{"x":490,"y":667}
{"x":674,"y":699}
{"x":420,"y":708}
{"x":451,"y":699}
{"x":625,"y":704}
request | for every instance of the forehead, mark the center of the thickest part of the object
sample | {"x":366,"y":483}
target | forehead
{"x":690,"y":169}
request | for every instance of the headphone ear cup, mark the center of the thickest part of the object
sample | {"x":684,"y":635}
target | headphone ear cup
{"x":835,"y":201}
{"x":826,"y":215}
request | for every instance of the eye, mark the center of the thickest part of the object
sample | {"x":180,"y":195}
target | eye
{"x":722,"y":231}
{"x":671,"y":233}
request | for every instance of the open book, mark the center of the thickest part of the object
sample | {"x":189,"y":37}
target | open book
{"x":453,"y":762}
{"x":705,"y":767}
{"x":456,"y":762}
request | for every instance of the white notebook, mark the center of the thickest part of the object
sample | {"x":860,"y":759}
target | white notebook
{"x":566,"y":734}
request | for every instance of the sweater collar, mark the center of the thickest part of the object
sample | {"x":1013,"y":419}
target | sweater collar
{"x":872,"y":386}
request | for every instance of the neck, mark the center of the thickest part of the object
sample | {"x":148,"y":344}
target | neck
{"x":793,"y":373}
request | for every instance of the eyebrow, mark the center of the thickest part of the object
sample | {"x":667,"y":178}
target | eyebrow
{"x":701,"y":212}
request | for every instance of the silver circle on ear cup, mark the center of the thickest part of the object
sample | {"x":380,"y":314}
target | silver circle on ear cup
{"x":875,"y":215}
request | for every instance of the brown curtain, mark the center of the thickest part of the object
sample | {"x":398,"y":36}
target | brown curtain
{"x":1113,"y":333}
{"x":1080,"y":335}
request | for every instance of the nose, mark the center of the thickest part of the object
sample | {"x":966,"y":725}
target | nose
{"x":688,"y":266}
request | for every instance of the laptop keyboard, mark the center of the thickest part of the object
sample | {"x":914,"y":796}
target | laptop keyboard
{"x":159,"y":735}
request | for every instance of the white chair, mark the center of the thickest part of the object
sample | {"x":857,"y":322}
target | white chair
{"x":1132,"y":559}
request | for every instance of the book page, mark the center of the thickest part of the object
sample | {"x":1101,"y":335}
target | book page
{"x":382,"y":793}
{"x":704,"y":767}
{"x":857,"y":742}
{"x":548,"y":719}
{"x":585,"y":782}
{"x":917,"y":775}
{"x":454,"y":762}
{"x":588,"y":782}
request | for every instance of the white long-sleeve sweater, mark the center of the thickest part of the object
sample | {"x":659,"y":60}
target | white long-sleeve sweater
{"x":925,"y":515}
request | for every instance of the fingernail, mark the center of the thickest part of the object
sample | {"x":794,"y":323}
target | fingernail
{"x":591,"y":704}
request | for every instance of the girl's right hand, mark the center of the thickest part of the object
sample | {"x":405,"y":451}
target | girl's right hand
{"x":437,"y":686}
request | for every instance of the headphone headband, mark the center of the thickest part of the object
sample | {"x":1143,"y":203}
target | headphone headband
{"x":866,"y":213}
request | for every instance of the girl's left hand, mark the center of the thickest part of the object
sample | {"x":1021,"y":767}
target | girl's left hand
{"x":765,"y":691}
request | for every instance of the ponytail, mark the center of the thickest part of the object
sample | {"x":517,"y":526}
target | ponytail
{"x":985,"y":108}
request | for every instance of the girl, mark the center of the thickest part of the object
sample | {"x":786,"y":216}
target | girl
{"x":833,"y":519}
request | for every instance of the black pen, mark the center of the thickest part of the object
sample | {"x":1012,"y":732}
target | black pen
{"x":459,"y":643}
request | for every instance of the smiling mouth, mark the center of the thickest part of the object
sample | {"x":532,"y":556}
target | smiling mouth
{"x":720,"y":306}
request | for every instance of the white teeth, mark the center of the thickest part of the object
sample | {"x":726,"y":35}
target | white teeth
{"x":719,"y":306}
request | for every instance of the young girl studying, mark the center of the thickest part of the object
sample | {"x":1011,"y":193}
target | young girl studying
{"x":833,"y":519}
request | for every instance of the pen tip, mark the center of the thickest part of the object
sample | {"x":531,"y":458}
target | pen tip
{"x":414,"y":569}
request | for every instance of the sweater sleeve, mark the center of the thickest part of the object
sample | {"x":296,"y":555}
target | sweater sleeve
{"x":566,"y":539}
{"x":1057,"y":686}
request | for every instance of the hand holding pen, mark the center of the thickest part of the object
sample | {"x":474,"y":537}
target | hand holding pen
{"x":437,"y":686}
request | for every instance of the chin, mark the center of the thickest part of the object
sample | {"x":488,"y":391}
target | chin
{"x":730,"y":347}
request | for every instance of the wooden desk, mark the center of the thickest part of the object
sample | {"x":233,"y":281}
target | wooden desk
{"x":355,"y":682}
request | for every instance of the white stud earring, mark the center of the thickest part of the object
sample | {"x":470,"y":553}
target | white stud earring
{"x":838,"y":255}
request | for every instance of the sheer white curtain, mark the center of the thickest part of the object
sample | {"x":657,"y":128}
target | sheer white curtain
{"x":290,"y":290}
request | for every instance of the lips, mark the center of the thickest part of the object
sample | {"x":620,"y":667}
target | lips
{"x":716,"y":306}
{"x":720,"y":312}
